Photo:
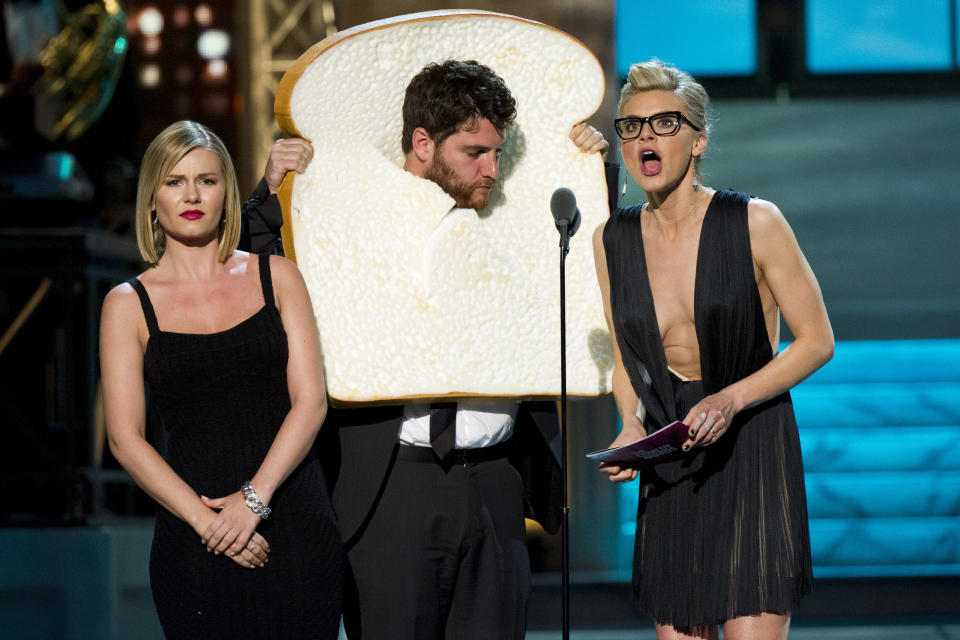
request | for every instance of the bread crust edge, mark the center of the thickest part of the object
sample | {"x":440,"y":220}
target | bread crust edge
{"x":282,"y":99}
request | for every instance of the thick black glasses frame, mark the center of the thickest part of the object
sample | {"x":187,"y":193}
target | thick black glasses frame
{"x":648,"y":120}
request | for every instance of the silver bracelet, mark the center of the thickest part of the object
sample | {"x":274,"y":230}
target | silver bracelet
{"x":254,"y":502}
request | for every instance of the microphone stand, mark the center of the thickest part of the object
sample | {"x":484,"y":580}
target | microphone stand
{"x":563,"y":227}
{"x":566,"y":216}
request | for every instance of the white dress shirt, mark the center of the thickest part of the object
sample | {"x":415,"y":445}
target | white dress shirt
{"x":480,"y":423}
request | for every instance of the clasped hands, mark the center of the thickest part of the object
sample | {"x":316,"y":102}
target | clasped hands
{"x":232,"y":532}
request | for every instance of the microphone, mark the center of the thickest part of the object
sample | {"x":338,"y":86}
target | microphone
{"x":566,"y":215}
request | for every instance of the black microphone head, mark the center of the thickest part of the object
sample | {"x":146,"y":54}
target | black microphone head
{"x":574,"y":224}
{"x":563,"y":205}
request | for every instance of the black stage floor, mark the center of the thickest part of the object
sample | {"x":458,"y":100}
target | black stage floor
{"x":917,"y":608}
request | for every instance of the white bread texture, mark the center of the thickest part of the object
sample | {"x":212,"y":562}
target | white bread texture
{"x":414,"y":300}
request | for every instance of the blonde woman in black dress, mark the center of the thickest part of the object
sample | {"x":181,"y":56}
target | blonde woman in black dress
{"x":245,"y":544}
{"x":694,"y":281}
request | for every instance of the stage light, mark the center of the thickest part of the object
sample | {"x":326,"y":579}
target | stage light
{"x":217,"y":69}
{"x":181,"y":16}
{"x":203,"y":14}
{"x":213,"y":43}
{"x":150,"y":75}
{"x":120,"y":45}
{"x":150,"y":21}
{"x":151,"y":45}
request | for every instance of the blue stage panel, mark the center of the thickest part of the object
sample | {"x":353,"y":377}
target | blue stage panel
{"x":77,"y":583}
{"x":886,"y":571}
{"x":699,"y":47}
{"x":890,"y":361}
{"x":883,"y":494}
{"x":885,"y":541}
{"x":855,"y":405}
{"x":878,"y":35}
{"x":57,"y":570}
{"x":875,"y":449}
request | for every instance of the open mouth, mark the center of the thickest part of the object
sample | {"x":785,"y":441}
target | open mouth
{"x":649,"y":163}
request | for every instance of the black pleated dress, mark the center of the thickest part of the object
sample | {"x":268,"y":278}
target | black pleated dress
{"x":221,"y":398}
{"x":721,"y":531}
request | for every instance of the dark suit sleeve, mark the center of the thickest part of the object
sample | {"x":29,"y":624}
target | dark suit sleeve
{"x":612,"y":172}
{"x":536,"y":457}
{"x":356,"y":447}
{"x":261,"y":221}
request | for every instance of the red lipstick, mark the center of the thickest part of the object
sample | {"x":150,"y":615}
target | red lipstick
{"x":192,"y":214}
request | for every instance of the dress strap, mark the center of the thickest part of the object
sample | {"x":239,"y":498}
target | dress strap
{"x":145,"y":304}
{"x":728,"y":312}
{"x":266,"y":282}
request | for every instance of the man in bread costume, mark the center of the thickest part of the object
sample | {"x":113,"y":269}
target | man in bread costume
{"x":431,"y":498}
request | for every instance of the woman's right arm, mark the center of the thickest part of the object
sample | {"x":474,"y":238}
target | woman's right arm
{"x":121,"y":364}
{"x":623,"y":393}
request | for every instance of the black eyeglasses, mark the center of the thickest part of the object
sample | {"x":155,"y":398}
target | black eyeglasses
{"x":666,"y":123}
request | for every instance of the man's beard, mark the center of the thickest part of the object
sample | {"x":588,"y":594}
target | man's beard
{"x":466,"y":195}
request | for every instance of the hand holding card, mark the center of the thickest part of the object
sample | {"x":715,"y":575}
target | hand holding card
{"x":657,"y":445}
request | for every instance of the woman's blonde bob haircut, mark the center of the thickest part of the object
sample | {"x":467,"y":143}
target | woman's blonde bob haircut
{"x":166,"y":150}
{"x":654,"y":75}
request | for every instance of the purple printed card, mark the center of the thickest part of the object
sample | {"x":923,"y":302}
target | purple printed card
{"x":659,"y":444}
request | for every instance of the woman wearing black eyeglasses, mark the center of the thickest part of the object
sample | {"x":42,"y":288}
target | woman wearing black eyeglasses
{"x":694,"y":281}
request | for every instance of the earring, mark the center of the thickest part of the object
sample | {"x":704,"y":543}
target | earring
{"x":623,"y":187}
{"x":153,"y":218}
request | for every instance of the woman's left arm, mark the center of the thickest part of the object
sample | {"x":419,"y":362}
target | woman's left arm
{"x":794,"y":287}
{"x":308,"y":407}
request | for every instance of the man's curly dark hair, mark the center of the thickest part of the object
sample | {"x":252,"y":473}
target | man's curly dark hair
{"x":442,"y":97}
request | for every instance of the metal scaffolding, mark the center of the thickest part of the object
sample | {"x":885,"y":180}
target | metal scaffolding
{"x":277,"y":32}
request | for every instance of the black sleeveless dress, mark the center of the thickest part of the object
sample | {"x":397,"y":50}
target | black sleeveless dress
{"x":722,"y":531}
{"x":221,"y":398}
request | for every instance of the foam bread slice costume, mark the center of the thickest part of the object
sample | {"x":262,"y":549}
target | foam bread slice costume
{"x":396,"y":278}
{"x":415,"y":301}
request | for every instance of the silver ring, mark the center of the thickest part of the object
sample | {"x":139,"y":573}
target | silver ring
{"x":251,"y":545}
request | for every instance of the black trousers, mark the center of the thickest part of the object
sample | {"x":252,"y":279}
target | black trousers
{"x":443,"y":556}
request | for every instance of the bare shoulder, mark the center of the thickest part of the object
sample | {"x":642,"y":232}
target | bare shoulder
{"x":772,"y":241}
{"x":284,"y":270}
{"x":767,"y":223}
{"x":120,"y":298}
{"x":121,"y":310}
{"x":598,"y":234}
{"x":288,"y":282}
{"x":599,"y":251}
{"x":764,"y":217}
